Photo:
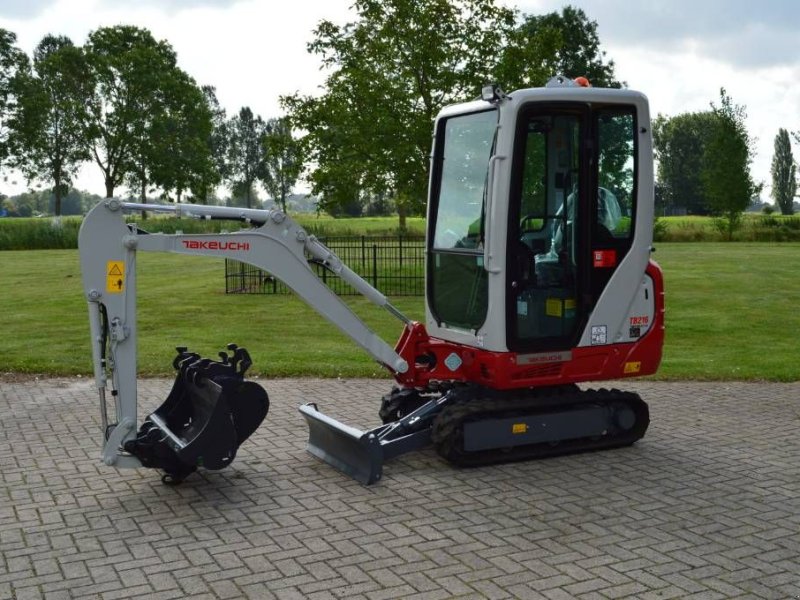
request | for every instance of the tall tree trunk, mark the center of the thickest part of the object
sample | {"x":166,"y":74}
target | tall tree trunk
{"x":402,"y":211}
{"x":109,"y":187}
{"x":247,"y":195}
{"x":144,"y":194}
{"x":57,"y":190}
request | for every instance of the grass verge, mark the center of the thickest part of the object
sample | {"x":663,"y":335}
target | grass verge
{"x":731,"y":314}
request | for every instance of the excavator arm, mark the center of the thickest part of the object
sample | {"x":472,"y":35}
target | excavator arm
{"x":277,"y":244}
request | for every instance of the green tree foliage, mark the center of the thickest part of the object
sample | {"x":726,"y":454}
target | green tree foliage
{"x":243,"y":195}
{"x":680,"y":145}
{"x":399,"y":63}
{"x":726,"y":176}
{"x":390,"y":72}
{"x":216,"y":144}
{"x":245,"y":157}
{"x":784,"y":181}
{"x":48,"y":125}
{"x":181,"y":154}
{"x":39,"y":203}
{"x":564,"y":43}
{"x":13,"y":63}
{"x":284,"y":161}
{"x":129,"y":71}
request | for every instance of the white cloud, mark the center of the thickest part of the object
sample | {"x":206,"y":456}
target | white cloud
{"x":680,"y":53}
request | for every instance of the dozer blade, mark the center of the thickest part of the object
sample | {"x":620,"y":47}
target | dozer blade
{"x":354,"y":452}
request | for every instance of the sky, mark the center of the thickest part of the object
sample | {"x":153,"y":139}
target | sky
{"x":678,"y":52}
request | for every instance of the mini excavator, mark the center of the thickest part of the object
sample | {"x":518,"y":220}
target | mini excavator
{"x":538,"y":277}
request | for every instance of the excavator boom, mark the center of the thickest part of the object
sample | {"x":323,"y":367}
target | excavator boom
{"x":275,"y":243}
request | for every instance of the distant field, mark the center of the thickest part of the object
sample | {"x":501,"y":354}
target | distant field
{"x":731,"y":314}
{"x":50,"y":234}
{"x":47,"y":234}
{"x":755,"y":228}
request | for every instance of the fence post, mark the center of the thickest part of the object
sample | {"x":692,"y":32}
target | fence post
{"x":375,"y":266}
{"x":400,"y":248}
{"x":227,"y":289}
{"x":363,"y":253}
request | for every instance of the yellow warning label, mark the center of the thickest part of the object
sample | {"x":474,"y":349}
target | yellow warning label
{"x":569,"y":304}
{"x":553,"y":307}
{"x":519,"y":428}
{"x":633,"y":367}
{"x":115,"y":276}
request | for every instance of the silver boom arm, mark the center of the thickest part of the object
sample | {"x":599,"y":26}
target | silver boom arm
{"x":279,"y":245}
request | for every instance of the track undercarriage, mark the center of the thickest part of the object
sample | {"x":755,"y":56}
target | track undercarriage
{"x":470,"y":425}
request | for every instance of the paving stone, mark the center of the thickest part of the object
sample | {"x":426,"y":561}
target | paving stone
{"x":706,"y":506}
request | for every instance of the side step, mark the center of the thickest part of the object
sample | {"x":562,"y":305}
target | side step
{"x":210,"y":411}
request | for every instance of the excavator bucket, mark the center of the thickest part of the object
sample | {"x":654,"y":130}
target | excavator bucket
{"x":210,"y":411}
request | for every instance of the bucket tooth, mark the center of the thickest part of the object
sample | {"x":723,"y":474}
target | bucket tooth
{"x":354,"y":452}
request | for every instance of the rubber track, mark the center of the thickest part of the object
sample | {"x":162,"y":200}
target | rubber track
{"x":474,"y":404}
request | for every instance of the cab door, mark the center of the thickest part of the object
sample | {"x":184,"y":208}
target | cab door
{"x":571,"y":218}
{"x":547,"y":242}
{"x":613,"y":208}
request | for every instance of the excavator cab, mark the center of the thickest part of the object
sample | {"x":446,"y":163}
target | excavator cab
{"x":534,"y":207}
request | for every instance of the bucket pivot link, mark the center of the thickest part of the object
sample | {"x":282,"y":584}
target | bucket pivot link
{"x":210,"y":411}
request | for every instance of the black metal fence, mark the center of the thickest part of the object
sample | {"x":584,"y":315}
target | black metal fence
{"x":393,"y":265}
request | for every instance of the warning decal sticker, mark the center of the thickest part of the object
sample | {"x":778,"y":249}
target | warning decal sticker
{"x":604,"y":258}
{"x":632,"y":367}
{"x":115,"y":276}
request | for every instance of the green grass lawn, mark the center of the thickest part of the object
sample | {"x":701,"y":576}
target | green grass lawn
{"x":731,"y":314}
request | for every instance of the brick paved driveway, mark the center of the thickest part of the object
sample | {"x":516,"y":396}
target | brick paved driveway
{"x":706,"y":506}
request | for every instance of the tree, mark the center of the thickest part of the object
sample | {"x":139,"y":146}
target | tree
{"x":245,"y":157}
{"x":726,"y":169}
{"x":284,"y":161}
{"x":399,"y":63}
{"x":13,"y":64}
{"x":129,"y":70}
{"x":680,"y":144}
{"x":48,"y":125}
{"x":180,"y":158}
{"x":216,"y":144}
{"x":563,"y":43}
{"x":390,"y":72}
{"x":784,"y":181}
